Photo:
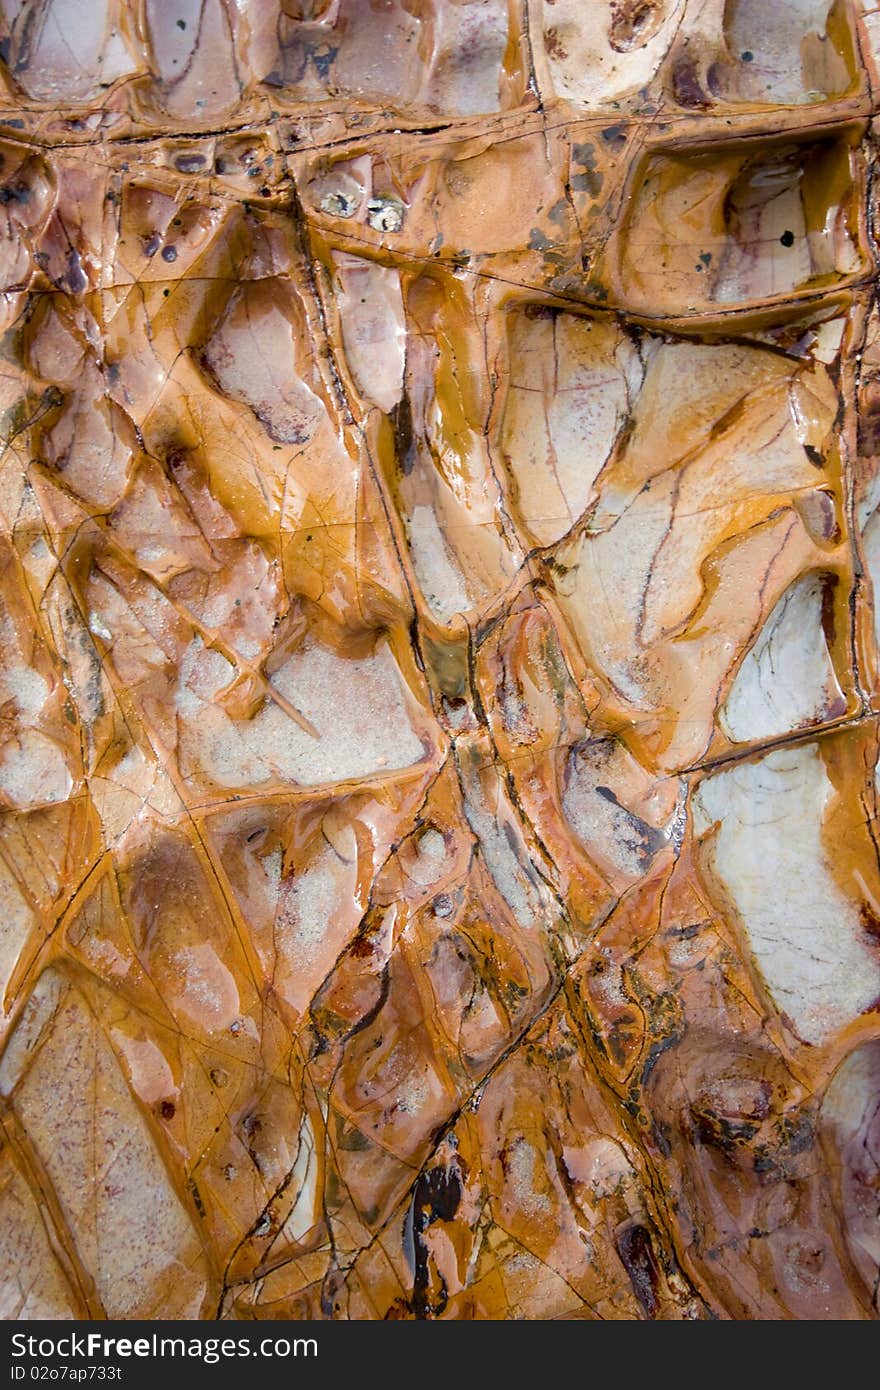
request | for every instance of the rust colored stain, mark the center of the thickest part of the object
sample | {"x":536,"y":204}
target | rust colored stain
{"x":439,"y":528}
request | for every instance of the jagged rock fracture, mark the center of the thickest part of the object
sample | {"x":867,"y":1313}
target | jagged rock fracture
{"x":440,"y":522}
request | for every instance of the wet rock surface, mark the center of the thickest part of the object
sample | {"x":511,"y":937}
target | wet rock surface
{"x":439,"y":529}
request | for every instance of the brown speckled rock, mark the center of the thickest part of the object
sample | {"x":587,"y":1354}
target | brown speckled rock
{"x":439,"y":523}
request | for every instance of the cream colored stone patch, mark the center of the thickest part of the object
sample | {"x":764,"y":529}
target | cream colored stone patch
{"x":130,"y":1229}
{"x":373,"y":328}
{"x":787,"y":680}
{"x":32,"y":1285}
{"x":761,"y":823}
{"x":17,"y":921}
{"x":358,"y":708}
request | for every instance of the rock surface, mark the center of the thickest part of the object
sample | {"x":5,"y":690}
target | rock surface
{"x":440,"y":526}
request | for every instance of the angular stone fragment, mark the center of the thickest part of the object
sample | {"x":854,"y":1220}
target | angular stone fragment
{"x":439,"y":572}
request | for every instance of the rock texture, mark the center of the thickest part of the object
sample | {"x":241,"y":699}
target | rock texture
{"x":440,"y":522}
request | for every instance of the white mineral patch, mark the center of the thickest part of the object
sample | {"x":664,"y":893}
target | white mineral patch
{"x":357,"y":706}
{"x":493,"y":821}
{"x":851,"y":1112}
{"x":32,"y":1285}
{"x":33,"y":771}
{"x":786,"y":681}
{"x":596,"y":808}
{"x":587,"y":371}
{"x":428,"y":862}
{"x":32,"y":1026}
{"x":27,"y":688}
{"x":252,"y":356}
{"x":73,"y":56}
{"x":586,"y":69}
{"x":777,"y":36}
{"x":208,"y":994}
{"x":769,"y":859}
{"x":373,"y":328}
{"x":17,"y":919}
{"x":303,"y":1175}
{"x":130,"y":1229}
{"x":318,"y":911}
{"x":440,"y":579}
{"x":149,"y":1072}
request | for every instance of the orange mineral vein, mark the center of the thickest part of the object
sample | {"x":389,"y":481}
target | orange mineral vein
{"x":440,"y":678}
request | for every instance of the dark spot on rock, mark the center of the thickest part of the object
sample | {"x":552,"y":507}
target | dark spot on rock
{"x":634,"y":23}
{"x":196,"y":1196}
{"x":436,"y":1197}
{"x":594,"y":290}
{"x":798,"y":1133}
{"x":538,"y":241}
{"x":169,"y":253}
{"x":167,"y":1109}
{"x":16,"y":192}
{"x":323,"y":59}
{"x":559,"y":212}
{"x":686,"y":85}
{"x":404,"y":441}
{"x":870,"y":921}
{"x":787,"y":238}
{"x":615,"y":136}
{"x":747,"y":56}
{"x":553,"y":47}
{"x":251,"y":1125}
{"x":637,"y":1256}
{"x":590,"y":180}
{"x":75,"y":277}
